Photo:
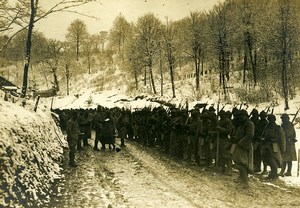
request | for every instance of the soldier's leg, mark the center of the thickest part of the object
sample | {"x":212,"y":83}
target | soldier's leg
{"x":289,"y":170}
{"x":283,"y":167}
{"x":85,"y":139}
{"x":257,"y":160}
{"x":72,"y":155}
{"x":273,"y":164}
{"x":243,"y":178}
{"x":79,"y":145}
{"x":229,"y":167}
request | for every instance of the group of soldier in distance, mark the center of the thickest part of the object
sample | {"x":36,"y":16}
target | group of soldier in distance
{"x":214,"y":139}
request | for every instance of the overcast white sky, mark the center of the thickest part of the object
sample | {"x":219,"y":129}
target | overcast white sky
{"x":55,"y":25}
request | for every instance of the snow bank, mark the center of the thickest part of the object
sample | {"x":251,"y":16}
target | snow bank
{"x":31,"y":147}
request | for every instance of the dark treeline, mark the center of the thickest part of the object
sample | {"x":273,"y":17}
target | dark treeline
{"x":254,"y":43}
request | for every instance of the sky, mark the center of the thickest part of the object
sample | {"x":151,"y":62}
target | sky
{"x":105,"y":11}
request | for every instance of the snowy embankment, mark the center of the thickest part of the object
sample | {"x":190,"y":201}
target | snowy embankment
{"x":31,"y":148}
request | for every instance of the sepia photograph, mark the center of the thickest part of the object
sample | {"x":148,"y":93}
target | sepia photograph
{"x":149,"y":103}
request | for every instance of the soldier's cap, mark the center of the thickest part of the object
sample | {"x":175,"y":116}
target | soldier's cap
{"x":222,"y":112}
{"x":241,"y":113}
{"x":194,"y":111}
{"x":205,"y":115}
{"x":271,"y":117}
{"x":284,"y":116}
{"x":254,"y":111}
{"x":211,"y":108}
{"x":235,"y":110}
{"x":228,"y":113}
{"x":262,"y":113}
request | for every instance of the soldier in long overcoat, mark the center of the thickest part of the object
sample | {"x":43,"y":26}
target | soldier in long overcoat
{"x":203,"y":144}
{"x":290,"y":151}
{"x":225,"y":128}
{"x":97,"y":120}
{"x":73,"y":131}
{"x":273,"y":146}
{"x":108,"y":131}
{"x":194,"y":130}
{"x":259,"y":129}
{"x":242,"y":150}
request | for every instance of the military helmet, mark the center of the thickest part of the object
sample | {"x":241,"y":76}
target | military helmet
{"x":254,"y":111}
{"x":241,"y":113}
{"x":222,"y":112}
{"x":284,"y":116}
{"x":212,"y":109}
{"x":263,"y":113}
{"x":271,"y":117}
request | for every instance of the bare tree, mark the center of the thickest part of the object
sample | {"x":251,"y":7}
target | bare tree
{"x":148,"y":32}
{"x":77,"y":34}
{"x":119,"y":33}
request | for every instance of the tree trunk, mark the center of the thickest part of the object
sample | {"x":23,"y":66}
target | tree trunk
{"x":245,"y":67}
{"x":136,"y":79}
{"x":151,"y":77}
{"x":68,"y":75}
{"x":33,"y":5}
{"x":56,"y":86}
{"x":161,"y":77}
{"x":77,"y":49}
{"x":197,"y":67}
{"x":252,"y":60}
{"x":284,"y":26}
{"x":172,"y":80}
{"x":145,"y":76}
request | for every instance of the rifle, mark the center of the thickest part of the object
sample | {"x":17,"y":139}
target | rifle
{"x":272,"y":111}
{"x":241,"y":106}
{"x":298,"y":163}
{"x":204,"y":107}
{"x":267,"y":110}
{"x":295,"y":115}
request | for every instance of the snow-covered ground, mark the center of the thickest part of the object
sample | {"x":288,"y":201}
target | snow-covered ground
{"x":22,"y":131}
{"x":31,"y":147}
{"x":114,"y":99}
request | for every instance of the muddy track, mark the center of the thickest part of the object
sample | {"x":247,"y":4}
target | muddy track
{"x":144,"y":177}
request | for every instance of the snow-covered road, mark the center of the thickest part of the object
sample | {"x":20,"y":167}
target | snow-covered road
{"x":143,"y":177}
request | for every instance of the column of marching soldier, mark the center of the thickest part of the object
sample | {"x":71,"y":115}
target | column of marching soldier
{"x":199,"y":136}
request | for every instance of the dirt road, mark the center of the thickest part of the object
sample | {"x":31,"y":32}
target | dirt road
{"x":143,"y":177}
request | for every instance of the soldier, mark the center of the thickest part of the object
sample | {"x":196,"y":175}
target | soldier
{"x":81,"y":125}
{"x":254,"y":116}
{"x":290,"y":151}
{"x":203,"y":144}
{"x":211,"y":144}
{"x":72,"y":137}
{"x":225,"y":128}
{"x":87,"y":125}
{"x":98,"y":126}
{"x":122,"y":124}
{"x":194,"y":130}
{"x":273,"y":145}
{"x":242,"y":149}
{"x":176,"y":132}
{"x":259,"y":128}
{"x":108,"y":131}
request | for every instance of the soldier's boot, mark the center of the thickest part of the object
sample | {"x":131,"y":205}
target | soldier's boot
{"x":229,"y":167}
{"x":193,"y":160}
{"x":289,"y":170}
{"x":265,"y":172}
